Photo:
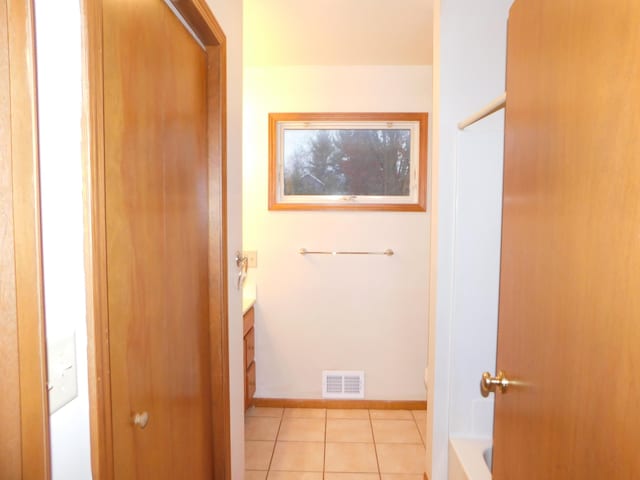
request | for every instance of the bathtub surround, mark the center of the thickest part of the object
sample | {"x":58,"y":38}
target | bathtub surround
{"x":469,"y":71}
{"x":468,"y":458}
{"x":327,"y":312}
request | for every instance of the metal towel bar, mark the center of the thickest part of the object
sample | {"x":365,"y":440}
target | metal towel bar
{"x":303,"y":251}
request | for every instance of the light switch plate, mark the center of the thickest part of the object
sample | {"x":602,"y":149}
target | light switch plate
{"x":62,"y":369}
{"x":252,"y":256}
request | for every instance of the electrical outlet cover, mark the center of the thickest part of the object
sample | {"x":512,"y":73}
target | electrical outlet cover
{"x":63,"y":377}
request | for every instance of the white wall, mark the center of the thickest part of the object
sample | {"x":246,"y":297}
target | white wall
{"x":353,"y":313}
{"x":469,"y":71}
{"x":229,"y":15}
{"x":60,"y":104}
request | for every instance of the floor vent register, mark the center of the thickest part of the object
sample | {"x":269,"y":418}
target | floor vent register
{"x":342,"y":384}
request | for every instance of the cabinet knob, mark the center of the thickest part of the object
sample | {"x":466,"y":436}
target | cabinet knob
{"x":141,"y":419}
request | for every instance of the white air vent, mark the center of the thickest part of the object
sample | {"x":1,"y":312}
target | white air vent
{"x":342,"y":384}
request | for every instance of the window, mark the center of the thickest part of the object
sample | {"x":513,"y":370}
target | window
{"x":347,"y":161}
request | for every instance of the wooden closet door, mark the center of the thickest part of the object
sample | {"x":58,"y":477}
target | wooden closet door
{"x":569,"y":316}
{"x":156,"y":188}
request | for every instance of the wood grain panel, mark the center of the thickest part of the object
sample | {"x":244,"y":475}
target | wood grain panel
{"x":198,"y":15}
{"x":342,"y":404}
{"x":249,"y":347}
{"x":570,"y":271}
{"x":249,"y":341}
{"x":248,"y":320}
{"x":202,"y":21}
{"x":250,"y":385}
{"x":95,"y":242}
{"x":157,"y":242}
{"x":27,"y":291}
{"x":10,"y":433}
{"x":218,"y":253}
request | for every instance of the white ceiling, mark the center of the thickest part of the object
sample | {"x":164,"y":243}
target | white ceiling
{"x":338,"y":32}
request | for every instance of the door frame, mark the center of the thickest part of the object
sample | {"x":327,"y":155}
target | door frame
{"x":24,"y":407}
{"x":206,"y":28}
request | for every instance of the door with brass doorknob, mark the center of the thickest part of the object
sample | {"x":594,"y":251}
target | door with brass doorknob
{"x":569,"y":307}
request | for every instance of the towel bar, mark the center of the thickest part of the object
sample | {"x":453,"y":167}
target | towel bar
{"x":303,"y":251}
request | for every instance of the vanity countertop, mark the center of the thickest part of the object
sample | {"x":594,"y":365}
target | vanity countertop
{"x":248,"y":300}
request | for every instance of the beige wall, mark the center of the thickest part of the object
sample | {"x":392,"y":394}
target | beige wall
{"x":352,"y":313}
{"x":362,"y":32}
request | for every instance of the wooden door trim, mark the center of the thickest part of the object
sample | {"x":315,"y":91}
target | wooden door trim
{"x":23,"y":301}
{"x":207,"y":29}
{"x":200,"y":18}
{"x":218,"y":307}
{"x":95,"y":241}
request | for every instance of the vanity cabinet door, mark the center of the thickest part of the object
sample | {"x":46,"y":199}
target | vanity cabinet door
{"x":249,"y":359}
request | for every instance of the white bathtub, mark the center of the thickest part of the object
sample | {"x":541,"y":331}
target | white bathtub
{"x":467,"y":458}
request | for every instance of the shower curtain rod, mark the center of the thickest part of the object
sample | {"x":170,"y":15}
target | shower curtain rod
{"x":492,"y":107}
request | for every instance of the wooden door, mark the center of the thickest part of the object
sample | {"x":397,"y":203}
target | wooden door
{"x":569,"y":316}
{"x":157,"y":206}
{"x":24,"y":411}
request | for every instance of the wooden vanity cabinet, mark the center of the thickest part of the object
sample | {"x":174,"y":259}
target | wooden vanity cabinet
{"x":249,"y":358}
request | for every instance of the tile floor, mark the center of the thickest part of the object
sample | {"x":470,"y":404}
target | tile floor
{"x":319,"y":444}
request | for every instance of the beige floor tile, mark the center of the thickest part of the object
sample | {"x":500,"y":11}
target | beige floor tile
{"x":351,"y":476}
{"x":255,"y":475}
{"x":396,"y":431}
{"x":263,"y":412}
{"x":305,"y":413}
{"x":397,"y":458}
{"x":420,"y":415}
{"x":347,"y":430}
{"x":350,"y":413}
{"x":261,"y":428}
{"x":391,"y":415}
{"x":295,"y":475}
{"x":298,"y":456}
{"x":395,"y":476}
{"x":302,"y":430}
{"x":257,"y":455}
{"x":351,"y":457}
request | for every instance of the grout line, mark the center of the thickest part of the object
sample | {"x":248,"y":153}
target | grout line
{"x":275,"y":443}
{"x":375,"y":446}
{"x":424,"y":443}
{"x":324,"y":447}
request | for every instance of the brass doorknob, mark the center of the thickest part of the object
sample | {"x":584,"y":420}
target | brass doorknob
{"x":489,"y":384}
{"x":141,"y":419}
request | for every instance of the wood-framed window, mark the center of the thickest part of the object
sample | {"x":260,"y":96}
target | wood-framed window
{"x":347,"y":161}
